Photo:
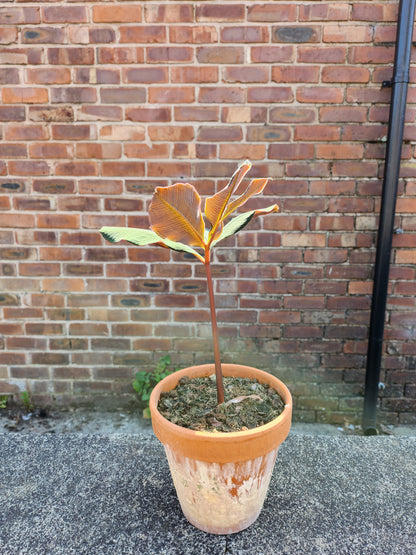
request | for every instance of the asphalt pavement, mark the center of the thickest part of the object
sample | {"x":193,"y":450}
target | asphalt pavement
{"x":65,"y":494}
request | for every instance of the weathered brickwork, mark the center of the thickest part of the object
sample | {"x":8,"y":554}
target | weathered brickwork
{"x":103,"y":101}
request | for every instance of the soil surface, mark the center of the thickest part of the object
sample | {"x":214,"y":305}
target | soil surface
{"x":193,"y":404}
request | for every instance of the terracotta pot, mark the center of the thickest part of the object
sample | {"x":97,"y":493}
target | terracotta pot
{"x":221,"y":478}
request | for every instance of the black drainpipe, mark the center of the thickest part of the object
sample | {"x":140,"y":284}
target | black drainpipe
{"x":399,"y":84}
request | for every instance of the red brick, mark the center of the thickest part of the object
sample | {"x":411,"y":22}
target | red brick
{"x":384,"y":33}
{"x":122,"y":133}
{"x":378,"y":114}
{"x":10,"y":150}
{"x":25,"y":167}
{"x":59,"y":253}
{"x":113,"y":169}
{"x":292,"y":114}
{"x":268,"y":133}
{"x":345,"y":205}
{"x":94,"y":150}
{"x":9,"y":76}
{"x":74,"y":95}
{"x":242,"y":152}
{"x":166,"y":54}
{"x":25,"y":95}
{"x":217,"y":12}
{"x":142,"y":34}
{"x":8,"y":35}
{"x":64,"y":14}
{"x":253,"y":74}
{"x":305,"y":302}
{"x":366,"y":94}
{"x":169,"y":169}
{"x":229,"y":133}
{"x":148,"y":114}
{"x":346,"y":33}
{"x":78,"y":204}
{"x":117,"y":14}
{"x":318,"y":94}
{"x":48,"y":150}
{"x":363,"y":133}
{"x":335,"y":223}
{"x":244,"y":34}
{"x":19,"y":15}
{"x":43,"y":35}
{"x":343,"y":113}
{"x":345,"y":74}
{"x":71,"y":56}
{"x":295,"y":74}
{"x":339,"y":151}
{"x":77,"y":168}
{"x":272,"y":12}
{"x":171,"y":133}
{"x":291,"y":151}
{"x":327,"y":11}
{"x":103,"y":35}
{"x":48,"y":75}
{"x":123,"y":95}
{"x":204,"y":151}
{"x":175,"y":95}
{"x":218,"y":95}
{"x":269,"y":94}
{"x":72,"y":132}
{"x":145,"y":152}
{"x":367,"y":12}
{"x":272,"y":54}
{"x":49,"y":113}
{"x":120,"y":55}
{"x":190,"y":74}
{"x":12,"y":113}
{"x":197,"y":34}
{"x":191,"y":316}
{"x":371,"y":54}
{"x":64,"y":221}
{"x":178,"y":13}
{"x":317,"y":133}
{"x":355,"y":169}
{"x":324,"y":55}
{"x":220,"y":55}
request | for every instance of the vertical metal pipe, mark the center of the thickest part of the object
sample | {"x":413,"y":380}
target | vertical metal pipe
{"x":388,"y":205}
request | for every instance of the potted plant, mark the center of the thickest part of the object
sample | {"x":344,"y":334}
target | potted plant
{"x":221,"y":477}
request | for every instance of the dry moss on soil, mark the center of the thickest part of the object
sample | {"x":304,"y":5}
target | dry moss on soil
{"x":193,"y":404}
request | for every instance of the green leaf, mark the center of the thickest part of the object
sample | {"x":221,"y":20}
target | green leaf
{"x":242,"y":220}
{"x":132,"y":235}
{"x":143,"y":237}
{"x":181,"y":247}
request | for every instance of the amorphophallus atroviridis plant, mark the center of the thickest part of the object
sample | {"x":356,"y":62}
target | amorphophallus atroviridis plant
{"x":177,"y":222}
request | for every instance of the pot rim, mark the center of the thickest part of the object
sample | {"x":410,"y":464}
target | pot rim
{"x":201,"y":444}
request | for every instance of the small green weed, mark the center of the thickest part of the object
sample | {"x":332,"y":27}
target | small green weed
{"x":3,"y":401}
{"x":146,"y":381}
{"x":27,"y":402}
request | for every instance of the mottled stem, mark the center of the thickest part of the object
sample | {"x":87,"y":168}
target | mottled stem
{"x":217,"y":358}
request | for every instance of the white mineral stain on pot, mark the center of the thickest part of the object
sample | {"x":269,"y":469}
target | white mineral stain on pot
{"x":221,"y":498}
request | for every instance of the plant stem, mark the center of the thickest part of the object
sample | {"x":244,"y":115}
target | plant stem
{"x":217,"y":358}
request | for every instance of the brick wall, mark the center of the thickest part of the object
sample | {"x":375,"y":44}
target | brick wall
{"x":103,"y":101}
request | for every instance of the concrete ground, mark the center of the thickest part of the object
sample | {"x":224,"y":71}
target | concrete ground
{"x":76,"y":494}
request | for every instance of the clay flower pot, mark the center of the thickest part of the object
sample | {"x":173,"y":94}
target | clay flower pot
{"x":221,"y":479}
